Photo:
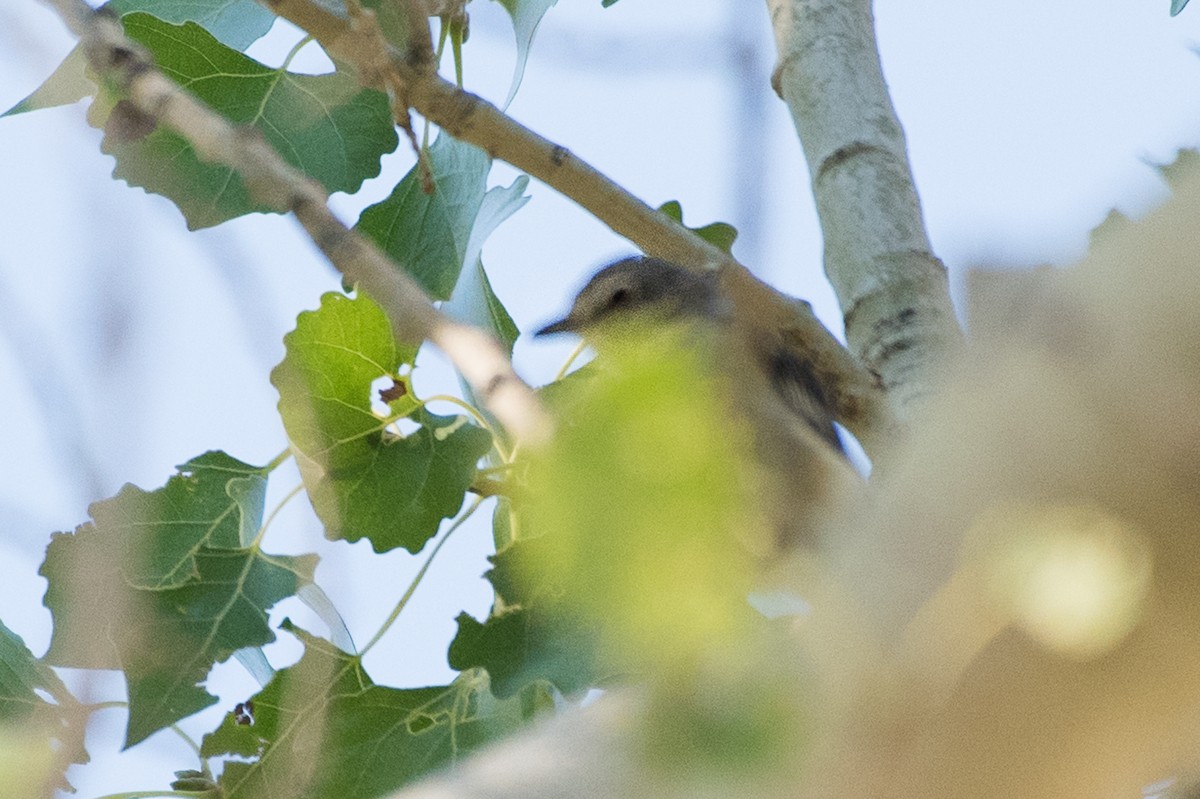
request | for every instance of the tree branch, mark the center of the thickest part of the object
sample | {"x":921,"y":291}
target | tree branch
{"x":859,"y":404}
{"x":272,"y":181}
{"x":892,"y":289}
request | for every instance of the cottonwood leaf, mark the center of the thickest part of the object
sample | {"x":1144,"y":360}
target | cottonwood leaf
{"x":643,"y":504}
{"x":322,"y":729}
{"x":526,"y":16}
{"x":67,"y":84}
{"x":214,"y":501}
{"x":362,"y":479}
{"x":326,"y":126}
{"x":1185,"y":164}
{"x":719,"y":234}
{"x":532,"y":634}
{"x":235,"y":23}
{"x":474,"y":301}
{"x":47,"y":731}
{"x":429,"y":233}
{"x":22,"y":677}
{"x":160,"y":585}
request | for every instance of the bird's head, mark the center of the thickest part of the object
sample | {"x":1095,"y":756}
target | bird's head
{"x":638,"y":290}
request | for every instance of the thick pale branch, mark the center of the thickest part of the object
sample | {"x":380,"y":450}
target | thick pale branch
{"x":892,"y":289}
{"x":855,"y":392}
{"x":276,"y":184}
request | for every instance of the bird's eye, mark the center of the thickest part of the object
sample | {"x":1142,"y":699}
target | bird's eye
{"x":619,"y":297}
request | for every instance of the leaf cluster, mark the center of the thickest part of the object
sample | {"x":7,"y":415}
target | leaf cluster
{"x":164,"y":584}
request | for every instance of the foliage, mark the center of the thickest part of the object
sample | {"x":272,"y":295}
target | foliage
{"x":162,"y":584}
{"x":617,"y":555}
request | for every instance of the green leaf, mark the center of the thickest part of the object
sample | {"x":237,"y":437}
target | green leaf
{"x":324,"y":125}
{"x":429,"y":233}
{"x":607,"y":3}
{"x":718,"y":234}
{"x":363,"y":480}
{"x":532,"y":633}
{"x":1185,"y":164}
{"x":323,"y":730}
{"x":519,"y":647}
{"x":235,"y":23}
{"x":526,"y":16}
{"x":502,"y":533}
{"x":214,"y":501}
{"x":160,"y":586}
{"x":473,"y":300}
{"x":21,"y":677}
{"x":38,"y":736}
{"x":67,"y":84}
{"x":1177,"y":6}
{"x":643,"y":503}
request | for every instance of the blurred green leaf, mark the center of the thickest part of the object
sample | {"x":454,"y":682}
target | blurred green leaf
{"x":160,"y":586}
{"x":643,"y":501}
{"x":324,"y":125}
{"x":31,"y":726}
{"x":718,"y":234}
{"x":1187,"y":162}
{"x":428,"y":234}
{"x":1177,"y":6}
{"x":364,"y":481}
{"x":323,"y":730}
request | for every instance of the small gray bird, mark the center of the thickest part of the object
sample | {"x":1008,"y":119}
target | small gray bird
{"x":791,"y":422}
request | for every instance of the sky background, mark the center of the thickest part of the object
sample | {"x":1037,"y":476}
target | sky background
{"x":129,"y":345}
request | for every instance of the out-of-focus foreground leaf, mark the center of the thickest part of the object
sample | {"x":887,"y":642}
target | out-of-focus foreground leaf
{"x":41,"y":726}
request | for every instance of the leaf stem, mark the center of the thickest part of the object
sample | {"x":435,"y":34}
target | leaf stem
{"x":295,"y":51}
{"x":151,"y":794}
{"x":395,"y":614}
{"x":575,"y":353}
{"x":505,"y":455}
{"x":115,"y":703}
{"x":190,"y":741}
{"x":456,"y":43}
{"x":278,"y":460}
{"x":274,"y":512}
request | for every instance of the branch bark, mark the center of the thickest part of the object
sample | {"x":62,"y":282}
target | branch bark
{"x":859,"y":403}
{"x":892,"y":289}
{"x":157,"y":99}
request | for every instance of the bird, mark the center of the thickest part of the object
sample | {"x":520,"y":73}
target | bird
{"x":794,"y":441}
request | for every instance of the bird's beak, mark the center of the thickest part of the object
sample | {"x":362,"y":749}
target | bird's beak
{"x":564,"y":325}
